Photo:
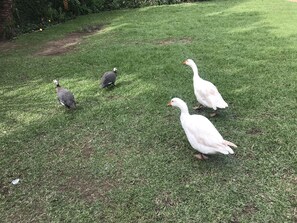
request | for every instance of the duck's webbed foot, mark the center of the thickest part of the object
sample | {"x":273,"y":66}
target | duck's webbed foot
{"x":213,"y":114}
{"x":201,"y":156}
{"x":198,"y":107}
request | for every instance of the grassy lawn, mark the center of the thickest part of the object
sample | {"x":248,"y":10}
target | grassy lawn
{"x":122,"y":155}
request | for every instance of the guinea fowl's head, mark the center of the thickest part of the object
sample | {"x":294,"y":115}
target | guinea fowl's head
{"x":56,"y":82}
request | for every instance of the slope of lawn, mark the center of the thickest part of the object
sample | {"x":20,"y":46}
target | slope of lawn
{"x":122,"y":155}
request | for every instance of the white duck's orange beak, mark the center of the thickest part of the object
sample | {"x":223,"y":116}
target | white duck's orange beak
{"x":169,"y":103}
{"x":185,"y":62}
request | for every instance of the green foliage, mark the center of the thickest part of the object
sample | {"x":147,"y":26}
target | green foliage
{"x":9,"y":30}
{"x":35,"y":14}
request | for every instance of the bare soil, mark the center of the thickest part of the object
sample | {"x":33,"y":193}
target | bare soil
{"x":255,"y":131}
{"x":68,"y":43}
{"x":169,"y":41}
{"x":61,"y":46}
{"x":87,"y":189}
{"x":6,"y":46}
{"x":57,"y":47}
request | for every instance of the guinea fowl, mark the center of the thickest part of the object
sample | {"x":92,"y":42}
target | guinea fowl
{"x":65,"y":97}
{"x":201,"y":133}
{"x":109,"y":78}
{"x":206,"y":93}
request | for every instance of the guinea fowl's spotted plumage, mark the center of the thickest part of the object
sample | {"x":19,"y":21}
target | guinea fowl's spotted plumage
{"x":65,"y":97}
{"x":109,"y":78}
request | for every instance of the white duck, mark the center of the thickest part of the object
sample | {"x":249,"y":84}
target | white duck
{"x":206,"y":93}
{"x":201,"y":133}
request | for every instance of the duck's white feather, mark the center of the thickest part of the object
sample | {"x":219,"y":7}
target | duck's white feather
{"x":201,"y":133}
{"x":203,"y":136}
{"x":206,"y":92}
{"x":208,"y":95}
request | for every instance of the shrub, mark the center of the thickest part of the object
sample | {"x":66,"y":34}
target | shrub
{"x":35,"y":14}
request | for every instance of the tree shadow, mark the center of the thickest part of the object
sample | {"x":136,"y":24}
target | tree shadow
{"x":45,"y":135}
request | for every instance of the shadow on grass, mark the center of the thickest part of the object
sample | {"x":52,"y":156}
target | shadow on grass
{"x":126,"y":136}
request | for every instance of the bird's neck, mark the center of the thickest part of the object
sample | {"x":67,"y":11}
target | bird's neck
{"x":184,"y":109}
{"x":195,"y":71}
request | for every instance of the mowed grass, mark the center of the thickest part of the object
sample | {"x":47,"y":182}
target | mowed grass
{"x":122,"y":155}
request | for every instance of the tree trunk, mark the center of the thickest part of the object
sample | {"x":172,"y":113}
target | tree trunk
{"x":6,"y":19}
{"x":66,"y":6}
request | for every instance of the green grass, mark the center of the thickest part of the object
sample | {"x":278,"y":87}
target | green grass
{"x":122,"y":156}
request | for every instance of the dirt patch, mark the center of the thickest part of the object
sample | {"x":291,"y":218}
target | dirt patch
{"x":6,"y":46}
{"x":68,"y":43}
{"x":88,"y":149}
{"x":4,"y":190}
{"x":249,"y":209}
{"x":113,"y":97}
{"x":184,"y":40}
{"x":292,"y":0}
{"x":165,"y":199}
{"x":254,"y":131}
{"x":62,"y":46}
{"x":87,"y":190}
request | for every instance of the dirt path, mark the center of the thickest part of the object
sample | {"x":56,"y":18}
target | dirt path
{"x":60,"y":46}
{"x":68,"y":43}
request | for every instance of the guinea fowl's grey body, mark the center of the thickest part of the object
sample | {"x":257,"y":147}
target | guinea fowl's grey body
{"x":109,"y":78}
{"x":65,"y":97}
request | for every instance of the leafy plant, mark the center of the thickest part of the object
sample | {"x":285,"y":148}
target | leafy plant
{"x":36,"y":14}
